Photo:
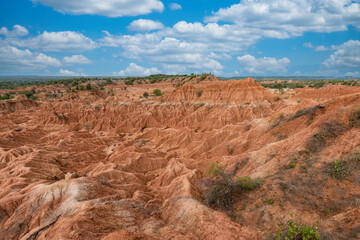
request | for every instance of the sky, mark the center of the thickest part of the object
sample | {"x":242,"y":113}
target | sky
{"x":143,"y":37}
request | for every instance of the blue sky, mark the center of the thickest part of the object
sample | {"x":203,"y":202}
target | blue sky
{"x":142,"y":37}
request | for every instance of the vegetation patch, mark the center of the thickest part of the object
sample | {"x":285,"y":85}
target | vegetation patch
{"x":246,"y":183}
{"x":157,"y":92}
{"x":295,"y":231}
{"x":340,"y":169}
{"x":221,"y":188}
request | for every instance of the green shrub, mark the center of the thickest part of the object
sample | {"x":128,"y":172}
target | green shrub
{"x":129,"y":82}
{"x":295,"y":231}
{"x":215,"y":170}
{"x":157,"y":92}
{"x":292,"y":165}
{"x":246,"y":183}
{"x":269,"y":201}
{"x":146,"y":94}
{"x":339,"y":169}
{"x":221,"y":189}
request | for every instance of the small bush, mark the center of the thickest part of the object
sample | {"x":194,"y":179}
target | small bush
{"x":354,"y":120}
{"x":157,"y":92}
{"x":269,"y":201}
{"x":295,"y":231}
{"x":221,"y":189}
{"x":246,"y":183}
{"x":145,"y":94}
{"x":339,"y":169}
{"x":292,"y":165}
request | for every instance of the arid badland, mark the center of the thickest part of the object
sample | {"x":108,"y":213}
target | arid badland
{"x":112,"y":164}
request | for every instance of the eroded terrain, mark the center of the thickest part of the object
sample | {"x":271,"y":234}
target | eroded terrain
{"x":125,"y":167}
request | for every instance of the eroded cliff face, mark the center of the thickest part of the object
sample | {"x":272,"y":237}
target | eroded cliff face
{"x":124,"y":167}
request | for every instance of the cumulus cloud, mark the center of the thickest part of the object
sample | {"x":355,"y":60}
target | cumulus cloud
{"x":76,"y":59}
{"x":317,"y":48}
{"x":228,"y":31}
{"x":57,"y":42}
{"x":263,"y":65}
{"x":64,"y":72}
{"x":308,"y":45}
{"x":288,"y":18}
{"x":321,"y":48}
{"x":175,"y":6}
{"x":15,"y":60}
{"x":136,"y":70}
{"x":145,"y":25}
{"x":17,"y":31}
{"x":346,"y":57}
{"x":170,"y":52}
{"x":109,"y":8}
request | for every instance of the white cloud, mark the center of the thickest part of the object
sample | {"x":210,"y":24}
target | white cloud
{"x":346,"y":56}
{"x":145,"y":25}
{"x":57,"y":42}
{"x":64,"y":72}
{"x":14,"y":60}
{"x":109,"y":8}
{"x":308,"y":45}
{"x":170,"y":52}
{"x":222,"y":56}
{"x":287,"y":18}
{"x":317,"y":48}
{"x":76,"y":59}
{"x":263,"y":65}
{"x":321,"y":48}
{"x":175,"y":6}
{"x":136,"y":70}
{"x":18,"y":31}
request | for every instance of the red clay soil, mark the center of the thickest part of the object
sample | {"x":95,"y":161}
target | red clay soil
{"x":129,"y":167}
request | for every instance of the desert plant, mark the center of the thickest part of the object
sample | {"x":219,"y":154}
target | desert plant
{"x":342,"y":168}
{"x":221,"y":188}
{"x":269,"y":201}
{"x":145,"y":94}
{"x":339,"y":169}
{"x":292,"y":165}
{"x":246,"y":183}
{"x":157,"y":92}
{"x":215,"y":170}
{"x":295,"y":231}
